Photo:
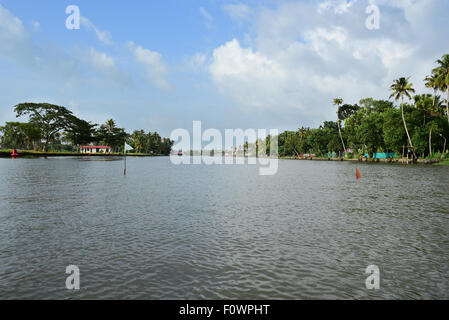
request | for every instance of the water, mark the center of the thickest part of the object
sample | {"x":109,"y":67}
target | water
{"x":222,"y":232}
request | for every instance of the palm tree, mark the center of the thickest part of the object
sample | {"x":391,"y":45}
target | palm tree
{"x":110,"y":125}
{"x":338,"y":102}
{"x":442,"y":78}
{"x":438,"y":107}
{"x":426,"y":105}
{"x":401,"y":87}
{"x":429,"y":108}
{"x":431,"y":82}
{"x":138,"y":138}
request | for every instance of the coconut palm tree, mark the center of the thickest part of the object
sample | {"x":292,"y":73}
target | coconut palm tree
{"x":442,"y":76}
{"x":431,"y":82}
{"x":338,"y":102}
{"x":401,"y":87}
{"x":429,"y":107}
{"x":139,"y":140}
{"x":110,"y":125}
{"x":426,"y":105}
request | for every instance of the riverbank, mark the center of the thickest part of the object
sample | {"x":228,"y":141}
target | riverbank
{"x":38,"y":154}
{"x":29,"y":153}
{"x":395,"y":160}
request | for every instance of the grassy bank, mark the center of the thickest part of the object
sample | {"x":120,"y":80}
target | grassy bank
{"x":31,"y":153}
{"x":443,"y":163}
{"x":395,"y":160}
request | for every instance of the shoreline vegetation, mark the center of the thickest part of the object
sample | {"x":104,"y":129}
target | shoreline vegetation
{"x":391,"y":161}
{"x":38,"y":154}
{"x":55,"y":130}
{"x":415,"y":130}
{"x":6,"y":153}
{"x":443,"y":163}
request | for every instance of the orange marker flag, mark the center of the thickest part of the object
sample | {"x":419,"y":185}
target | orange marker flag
{"x":358,"y":173}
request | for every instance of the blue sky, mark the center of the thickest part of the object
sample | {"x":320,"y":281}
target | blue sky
{"x":159,"y":65}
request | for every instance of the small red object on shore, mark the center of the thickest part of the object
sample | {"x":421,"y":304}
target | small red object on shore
{"x":14,"y":153}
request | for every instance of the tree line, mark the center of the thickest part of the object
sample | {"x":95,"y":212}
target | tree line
{"x":419,"y":124}
{"x":55,"y":128}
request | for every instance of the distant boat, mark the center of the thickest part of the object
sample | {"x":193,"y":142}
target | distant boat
{"x":180,"y":153}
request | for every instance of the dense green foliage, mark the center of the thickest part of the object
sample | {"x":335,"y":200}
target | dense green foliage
{"x":374,"y":126}
{"x":150,"y":142}
{"x":22,"y":135}
{"x":419,"y":123}
{"x":55,"y":128}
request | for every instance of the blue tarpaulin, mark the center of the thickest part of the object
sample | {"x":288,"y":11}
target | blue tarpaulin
{"x":383,"y":155}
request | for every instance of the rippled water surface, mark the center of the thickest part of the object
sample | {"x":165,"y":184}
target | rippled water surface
{"x":222,"y":232}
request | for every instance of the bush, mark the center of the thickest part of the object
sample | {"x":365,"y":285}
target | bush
{"x":439,"y":155}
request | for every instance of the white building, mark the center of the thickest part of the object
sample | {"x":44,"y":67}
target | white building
{"x":95,"y":149}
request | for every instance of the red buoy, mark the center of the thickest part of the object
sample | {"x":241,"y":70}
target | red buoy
{"x":14,"y":153}
{"x":358,"y":173}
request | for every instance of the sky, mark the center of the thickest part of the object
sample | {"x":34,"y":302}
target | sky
{"x":159,"y":65}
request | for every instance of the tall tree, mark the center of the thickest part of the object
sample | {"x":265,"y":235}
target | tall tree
{"x":429,"y":107}
{"x":347,"y":110}
{"x":338,"y":102}
{"x":431,"y":82}
{"x":13,"y":135}
{"x":111,"y":135}
{"x":425,"y":104}
{"x":139,"y":140}
{"x":50,"y":118}
{"x":79,"y":132}
{"x":402,"y":87}
{"x":110,"y":126}
{"x":442,"y":78}
{"x":167,"y":145}
{"x":20,"y":134}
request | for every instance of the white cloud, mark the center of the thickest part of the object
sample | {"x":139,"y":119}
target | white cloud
{"x":339,"y":6}
{"x":101,"y":60}
{"x":82,"y":110}
{"x":249,"y":77}
{"x":206,"y":14}
{"x":301,"y":58}
{"x":104,"y":36}
{"x":106,"y":66}
{"x":10,"y":24}
{"x":16,"y":44}
{"x":208,"y":17}
{"x":323,"y":41}
{"x":323,"y":6}
{"x":54,"y":62}
{"x":196,"y":62}
{"x":155,"y":67}
{"x":238,"y":11}
{"x":36,"y":25}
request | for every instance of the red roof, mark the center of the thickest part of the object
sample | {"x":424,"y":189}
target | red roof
{"x":96,"y":147}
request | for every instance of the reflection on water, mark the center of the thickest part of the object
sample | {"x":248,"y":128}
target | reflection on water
{"x":221,"y":232}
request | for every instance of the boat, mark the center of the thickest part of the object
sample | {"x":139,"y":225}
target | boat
{"x":180,"y":153}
